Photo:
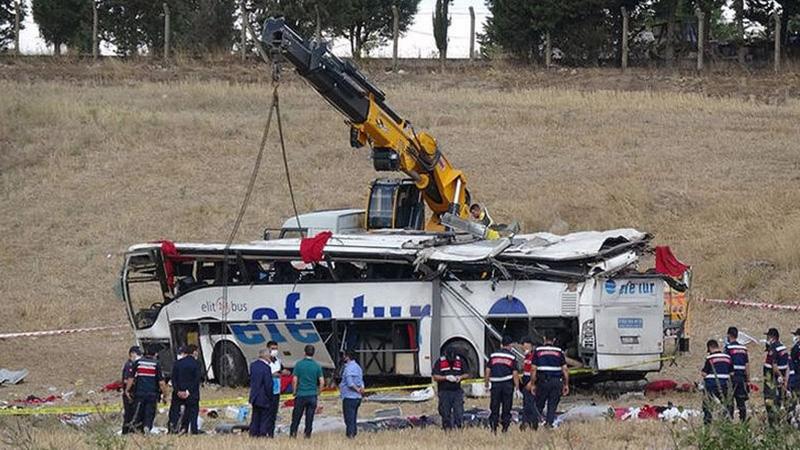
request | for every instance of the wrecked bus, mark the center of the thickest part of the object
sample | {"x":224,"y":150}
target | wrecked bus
{"x":399,"y":299}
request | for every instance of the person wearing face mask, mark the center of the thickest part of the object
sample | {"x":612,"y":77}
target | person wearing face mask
{"x":276,"y":368}
{"x":134,"y":354}
{"x":776,"y":375}
{"x":448,"y":371}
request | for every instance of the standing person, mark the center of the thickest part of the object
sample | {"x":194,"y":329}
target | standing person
{"x":185,"y":392}
{"x":307,"y":380}
{"x":776,"y":374}
{"x":716,"y":373}
{"x":260,"y":393}
{"x":448,"y":371}
{"x":549,"y":377}
{"x":530,"y":416}
{"x":740,"y":378}
{"x":503,"y":374}
{"x":146,"y":388}
{"x":128,"y":408}
{"x":276,"y":368}
{"x":351,"y":390}
{"x":794,"y":375}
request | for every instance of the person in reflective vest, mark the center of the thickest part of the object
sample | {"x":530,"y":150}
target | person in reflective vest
{"x":146,"y":388}
{"x":549,"y":378}
{"x":776,"y":375}
{"x":740,"y":378}
{"x":448,"y":371}
{"x":716,"y":373}
{"x":530,"y":416}
{"x":502,"y":372}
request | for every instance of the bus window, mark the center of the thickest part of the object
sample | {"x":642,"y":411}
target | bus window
{"x":146,"y":300}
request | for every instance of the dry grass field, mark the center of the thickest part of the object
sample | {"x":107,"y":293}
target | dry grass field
{"x":91,"y":165}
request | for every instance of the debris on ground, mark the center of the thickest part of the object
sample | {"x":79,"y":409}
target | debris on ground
{"x":75,"y":420}
{"x":33,"y":400}
{"x":421,"y":395}
{"x":660,"y":386}
{"x":116,"y":386}
{"x":12,"y":376}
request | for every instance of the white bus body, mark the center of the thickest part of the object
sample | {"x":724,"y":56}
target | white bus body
{"x":613,"y":320}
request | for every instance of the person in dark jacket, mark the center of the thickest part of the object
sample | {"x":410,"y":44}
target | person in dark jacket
{"x":260,"y":393}
{"x":549,"y":378}
{"x":502,"y":372}
{"x":128,"y":408}
{"x":448,"y":371}
{"x":716,"y":373}
{"x":186,"y":376}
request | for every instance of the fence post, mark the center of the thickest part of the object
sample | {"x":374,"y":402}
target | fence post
{"x":701,"y":36}
{"x":777,"y":41}
{"x":243,"y":38}
{"x":625,"y":18}
{"x":95,"y":43}
{"x":17,"y":14}
{"x":471,"y":33}
{"x":395,"y":35}
{"x":166,"y":31}
{"x":548,"y":50}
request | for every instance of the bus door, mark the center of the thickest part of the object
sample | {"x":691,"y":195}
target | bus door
{"x":629,"y":324}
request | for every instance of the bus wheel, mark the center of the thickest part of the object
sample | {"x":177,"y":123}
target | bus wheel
{"x":230,"y":367}
{"x":466,"y":351}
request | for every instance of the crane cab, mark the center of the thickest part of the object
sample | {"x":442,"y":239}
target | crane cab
{"x":395,"y":203}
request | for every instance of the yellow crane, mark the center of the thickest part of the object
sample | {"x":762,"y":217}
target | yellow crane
{"x":395,"y":144}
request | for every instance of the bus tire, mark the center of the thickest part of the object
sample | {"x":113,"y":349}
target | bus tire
{"x":466,"y":351}
{"x":230,"y":367}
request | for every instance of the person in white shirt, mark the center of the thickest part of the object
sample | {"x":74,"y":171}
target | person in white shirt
{"x":276,"y":366}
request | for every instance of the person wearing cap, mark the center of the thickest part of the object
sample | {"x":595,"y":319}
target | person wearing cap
{"x":549,"y":377}
{"x":146,"y":388}
{"x":716,"y":373}
{"x":740,"y":379}
{"x":448,"y":371}
{"x":530,"y":416}
{"x":776,"y":375}
{"x":134,"y":354}
{"x":185,"y":405}
{"x":504,"y":377}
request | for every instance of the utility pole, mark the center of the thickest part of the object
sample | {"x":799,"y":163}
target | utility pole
{"x":243,"y":38}
{"x":95,"y":43}
{"x":17,"y":15}
{"x":395,"y":35}
{"x":777,"y":41}
{"x":701,"y":23}
{"x":624,"y":39}
{"x":166,"y":31}
{"x":471,"y":33}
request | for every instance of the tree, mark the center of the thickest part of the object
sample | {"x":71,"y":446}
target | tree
{"x":209,"y":27}
{"x":368,"y":23}
{"x":303,"y":16}
{"x":60,"y":21}
{"x":8,"y":12}
{"x":441,"y":22}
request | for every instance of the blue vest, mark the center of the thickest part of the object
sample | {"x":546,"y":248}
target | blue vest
{"x":739,"y":357}
{"x":548,"y":361}
{"x":502,"y":365}
{"x":718,"y":369}
{"x":147,"y":375}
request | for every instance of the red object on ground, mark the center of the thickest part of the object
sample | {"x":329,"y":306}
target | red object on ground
{"x":753,"y":387}
{"x":311,"y":248}
{"x":289,"y":403}
{"x":34,"y":400}
{"x":115,"y":386}
{"x":686,"y":387}
{"x":619,"y":412}
{"x":668,"y":264}
{"x":660,"y":386}
{"x":648,"y":412}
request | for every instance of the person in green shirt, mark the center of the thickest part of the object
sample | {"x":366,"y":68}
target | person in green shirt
{"x":307,"y":380}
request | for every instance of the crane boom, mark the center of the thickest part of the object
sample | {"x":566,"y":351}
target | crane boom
{"x":395,"y":145}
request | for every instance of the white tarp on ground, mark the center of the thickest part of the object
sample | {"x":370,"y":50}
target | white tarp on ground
{"x":12,"y":376}
{"x":553,"y":247}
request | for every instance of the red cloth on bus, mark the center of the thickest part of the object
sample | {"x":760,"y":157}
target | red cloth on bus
{"x":668,"y":264}
{"x":311,"y":248}
{"x":169,"y":251}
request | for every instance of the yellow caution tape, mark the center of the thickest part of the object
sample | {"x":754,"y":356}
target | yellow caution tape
{"x":240,"y":401}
